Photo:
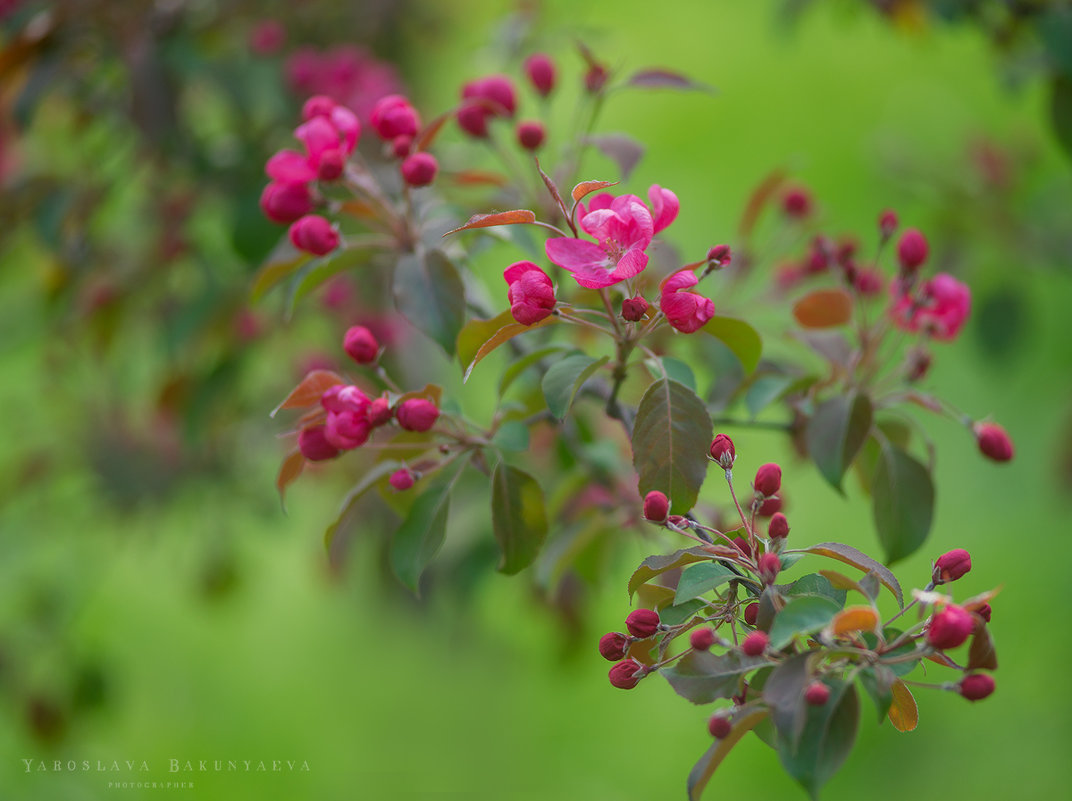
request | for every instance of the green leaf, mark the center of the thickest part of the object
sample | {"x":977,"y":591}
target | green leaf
{"x":804,"y":614}
{"x":669,"y":367}
{"x":284,"y":260}
{"x":671,"y":434}
{"x":478,"y":338}
{"x":890,"y":635}
{"x":518,"y":517}
{"x":739,"y":337}
{"x":836,"y":432}
{"x":877,"y":681}
{"x":701,"y":676}
{"x":827,"y":736}
{"x":316,"y":272}
{"x":678,"y":613}
{"x":419,"y":538}
{"x":704,"y":769}
{"x":367,"y":482}
{"x":861,"y":561}
{"x":518,"y":366}
{"x":565,"y":378}
{"x":783,"y":691}
{"x":701,"y":578}
{"x":1061,"y":111}
{"x":764,"y":390}
{"x":430,"y":294}
{"x":512,"y":435}
{"x":814,"y":584}
{"x":902,"y":503}
{"x":654,"y":565}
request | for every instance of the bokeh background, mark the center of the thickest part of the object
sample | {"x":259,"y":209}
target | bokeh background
{"x":157,"y":604}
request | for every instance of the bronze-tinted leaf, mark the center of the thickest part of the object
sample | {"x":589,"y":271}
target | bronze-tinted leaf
{"x":585,"y":188}
{"x":904,"y":714}
{"x":823,"y":308}
{"x":515,"y":217}
{"x":289,"y":471}
{"x":308,"y":392}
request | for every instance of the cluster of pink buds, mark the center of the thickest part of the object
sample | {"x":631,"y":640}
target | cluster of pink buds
{"x":494,"y":97}
{"x":642,"y":624}
{"x":396,"y":122}
{"x":329,"y":135}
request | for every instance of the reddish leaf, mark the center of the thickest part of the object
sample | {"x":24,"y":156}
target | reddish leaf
{"x":516,"y":217}
{"x":289,"y":471}
{"x":359,"y":209}
{"x":430,"y":131}
{"x":478,"y":178}
{"x":758,"y":200}
{"x":982,"y":653}
{"x":904,"y":714}
{"x":622,"y":150}
{"x":555,"y":194}
{"x":823,"y":308}
{"x":588,"y":187}
{"x":860,"y":560}
{"x":308,"y":392}
{"x":432,"y":392}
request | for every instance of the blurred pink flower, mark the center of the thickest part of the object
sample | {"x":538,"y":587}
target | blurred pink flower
{"x":940,"y":308}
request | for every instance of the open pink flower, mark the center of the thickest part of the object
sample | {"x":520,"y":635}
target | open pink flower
{"x":940,"y":308}
{"x":531,"y":295}
{"x":686,"y":311}
{"x":623,"y":227}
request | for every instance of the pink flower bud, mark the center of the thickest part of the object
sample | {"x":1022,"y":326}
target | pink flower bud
{"x":314,"y":446}
{"x":887,"y":223}
{"x":595,"y":78}
{"x":719,"y":726}
{"x":911,"y":250}
{"x":289,"y":167}
{"x":680,"y":521}
{"x":393,"y":116}
{"x":768,"y":479}
{"x":950,"y":627}
{"x":317,"y":106}
{"x":347,"y":429}
{"x":817,"y":694}
{"x":314,"y":234}
{"x":530,"y":135}
{"x":755,"y":643}
{"x":770,"y":507}
{"x":266,"y":39}
{"x":701,"y":639}
{"x":419,"y":169}
{"x":332,"y":164}
{"x":720,"y":255}
{"x":976,"y":687}
{"x":540,"y":71}
{"x":286,"y":202}
{"x":634,"y":309}
{"x":627,"y":674}
{"x":984,"y":612}
{"x":531,"y":293}
{"x":361,"y":345}
{"x":417,"y":414}
{"x":778,"y":527}
{"x":796,"y":203}
{"x":868,"y":282}
{"x":769,"y":567}
{"x":613,"y":646}
{"x":994,"y":442}
{"x":751,"y":614}
{"x":686,"y":311}
{"x":743,"y":546}
{"x":473,"y":119}
{"x":722,"y":451}
{"x":642,"y":623}
{"x":656,"y":506}
{"x":495,"y":91}
{"x":401,"y":145}
{"x":941,"y":308}
{"x":379,"y":412}
{"x":401,"y":479}
{"x":951,"y":566}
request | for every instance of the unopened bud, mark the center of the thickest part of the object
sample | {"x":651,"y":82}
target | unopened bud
{"x":751,"y":614}
{"x":769,"y":567}
{"x":634,"y":309}
{"x":817,"y":694}
{"x":613,"y":646}
{"x":361,"y":345}
{"x":719,"y":725}
{"x":627,"y":674}
{"x":642,"y":623}
{"x":976,"y":687}
{"x":417,"y":414}
{"x":951,"y":566}
{"x":401,"y":479}
{"x":656,"y":507}
{"x":950,"y":627}
{"x":779,"y":527}
{"x":719,"y":255}
{"x":722,"y":451}
{"x":755,"y":643}
{"x":887,"y":223}
{"x":768,"y":480}
{"x":912,"y":250}
{"x":701,"y":639}
{"x":994,"y":442}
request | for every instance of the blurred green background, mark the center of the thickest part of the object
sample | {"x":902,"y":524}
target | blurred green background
{"x":198,"y":622}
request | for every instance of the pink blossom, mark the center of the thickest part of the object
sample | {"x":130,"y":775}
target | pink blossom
{"x":940,"y":308}
{"x":314,"y":234}
{"x":531,"y":295}
{"x":394,"y":116}
{"x":623,"y":227}
{"x":285,"y":202}
{"x":686,"y":311}
{"x":495,"y":90}
{"x":314,"y":445}
{"x":289,"y":166}
{"x":347,"y":429}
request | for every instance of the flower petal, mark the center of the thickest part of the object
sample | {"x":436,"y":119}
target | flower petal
{"x":633,"y":262}
{"x":289,"y":166}
{"x":664,"y":206}
{"x":575,"y":254}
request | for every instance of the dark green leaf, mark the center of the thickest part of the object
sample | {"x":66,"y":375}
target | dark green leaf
{"x":739,"y":337}
{"x":478,"y":338}
{"x":513,"y":436}
{"x":672,"y":368}
{"x":564,"y":379}
{"x":671,"y":434}
{"x":316,"y":272}
{"x":518,"y":517}
{"x":701,"y":676}
{"x":783,"y":691}
{"x":814,"y":584}
{"x":701,"y":578}
{"x":367,"y":482}
{"x":704,"y":769}
{"x":902,"y":503}
{"x":654,"y":565}
{"x":430,"y":294}
{"x":877,"y":681}
{"x":419,"y":538}
{"x":764,"y":390}
{"x":518,"y":366}
{"x":828,"y":735}
{"x":284,"y":260}
{"x":861,"y":561}
{"x":836,"y":432}
{"x":803,"y":614}
{"x":677,"y":614}
{"x":1061,"y":111}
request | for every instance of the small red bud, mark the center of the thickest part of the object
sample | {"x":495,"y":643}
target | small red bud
{"x":417,"y":414}
{"x":976,"y":687}
{"x":314,"y":446}
{"x":380,"y":412}
{"x":770,"y":506}
{"x":796,"y":203}
{"x":817,"y":694}
{"x":634,"y":309}
{"x":951,"y":566}
{"x":702,"y":639}
{"x":642,"y":623}
{"x":473,"y":119}
{"x":912,"y":250}
{"x":743,"y":546}
{"x":720,"y":255}
{"x":768,"y":480}
{"x":722,"y":451}
{"x":769,"y":567}
{"x":419,"y":169}
{"x":656,"y":507}
{"x":887,"y":223}
{"x":994,"y":442}
{"x":719,"y":725}
{"x":755,"y":643}
{"x":627,"y":674}
{"x":596,"y":78}
{"x":950,"y":627}
{"x":361,"y":345}
{"x":984,"y":612}
{"x":613,"y":646}
{"x":314,"y":234}
{"x":401,"y":146}
{"x":779,"y":527}
{"x":751,"y":614}
{"x":332,"y":163}
{"x":680,"y":521}
{"x":540,"y":71}
{"x":401,"y":479}
{"x":530,"y":135}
